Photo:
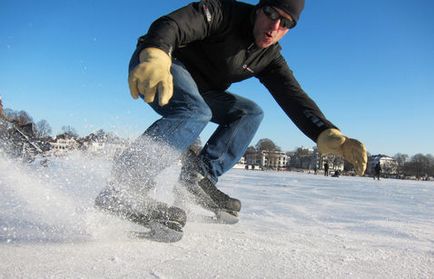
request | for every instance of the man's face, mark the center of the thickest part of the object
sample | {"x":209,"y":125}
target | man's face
{"x":268,"y":31}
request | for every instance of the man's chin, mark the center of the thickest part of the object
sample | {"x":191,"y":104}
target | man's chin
{"x":264,"y":43}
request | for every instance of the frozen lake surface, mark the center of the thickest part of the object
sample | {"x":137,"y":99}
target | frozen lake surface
{"x":292,"y":225}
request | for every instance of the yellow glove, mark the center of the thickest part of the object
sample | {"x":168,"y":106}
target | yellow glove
{"x":151,"y":74}
{"x":332,"y":141}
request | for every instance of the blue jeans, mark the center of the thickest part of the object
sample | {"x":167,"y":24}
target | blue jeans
{"x":189,"y":111}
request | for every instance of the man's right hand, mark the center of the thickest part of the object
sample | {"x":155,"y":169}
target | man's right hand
{"x":151,"y":74}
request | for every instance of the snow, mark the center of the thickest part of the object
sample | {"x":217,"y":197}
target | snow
{"x":292,"y":225}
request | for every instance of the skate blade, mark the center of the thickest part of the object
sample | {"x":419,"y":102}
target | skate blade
{"x":158,"y":232}
{"x":226,"y":217}
{"x":163,"y":233}
{"x":183,"y":197}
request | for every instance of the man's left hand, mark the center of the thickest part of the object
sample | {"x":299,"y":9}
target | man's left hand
{"x":332,"y":141}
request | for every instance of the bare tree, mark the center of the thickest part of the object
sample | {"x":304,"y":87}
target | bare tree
{"x":70,"y":131}
{"x":303,"y":158}
{"x":430,"y":158}
{"x":401,"y":159}
{"x":250,"y":150}
{"x":18,"y":117}
{"x":23,"y":118}
{"x":43,"y":129}
{"x":267,"y":145}
{"x":419,"y":166}
{"x":1,"y":107}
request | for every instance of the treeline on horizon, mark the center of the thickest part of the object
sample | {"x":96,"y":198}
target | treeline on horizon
{"x":419,"y":163}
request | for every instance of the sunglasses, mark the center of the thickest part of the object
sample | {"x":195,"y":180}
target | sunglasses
{"x":272,"y":14}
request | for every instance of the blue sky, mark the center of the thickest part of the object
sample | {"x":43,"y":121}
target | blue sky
{"x":369,"y":65}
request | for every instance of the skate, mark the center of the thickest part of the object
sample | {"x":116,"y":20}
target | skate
{"x":203,"y":191}
{"x":164,"y":222}
{"x":222,"y":212}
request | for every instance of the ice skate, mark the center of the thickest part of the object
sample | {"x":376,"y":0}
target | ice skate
{"x":165,"y":222}
{"x":205,"y":193}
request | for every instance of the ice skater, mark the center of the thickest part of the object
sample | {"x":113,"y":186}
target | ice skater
{"x":182,"y":67}
{"x":377,"y":171}
{"x":326,"y":169}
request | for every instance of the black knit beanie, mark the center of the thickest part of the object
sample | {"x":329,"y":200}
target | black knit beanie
{"x":292,"y":7}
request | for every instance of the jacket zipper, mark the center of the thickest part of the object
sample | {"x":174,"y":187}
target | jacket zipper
{"x":246,"y":66}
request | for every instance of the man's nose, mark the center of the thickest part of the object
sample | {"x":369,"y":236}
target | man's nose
{"x":275,"y":24}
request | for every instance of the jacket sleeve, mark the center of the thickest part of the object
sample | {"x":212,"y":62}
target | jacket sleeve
{"x":299,"y":107}
{"x":195,"y":21}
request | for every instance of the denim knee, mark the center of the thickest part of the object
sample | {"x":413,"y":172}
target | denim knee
{"x":200,"y":113}
{"x":253,"y":111}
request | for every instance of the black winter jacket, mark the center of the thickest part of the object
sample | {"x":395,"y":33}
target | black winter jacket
{"x":214,"y":40}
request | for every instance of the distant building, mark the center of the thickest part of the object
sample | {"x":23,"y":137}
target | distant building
{"x":264,"y":159}
{"x":335,"y":163}
{"x":310,"y":159}
{"x":241,"y":164}
{"x":101,"y":143}
{"x":303,"y":158}
{"x":389,"y":166}
{"x":63,"y":144}
{"x":250,"y":159}
{"x":275,"y":160}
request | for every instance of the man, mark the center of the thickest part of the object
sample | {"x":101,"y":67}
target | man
{"x":326,"y":169}
{"x":182,"y":68}
{"x":377,"y":170}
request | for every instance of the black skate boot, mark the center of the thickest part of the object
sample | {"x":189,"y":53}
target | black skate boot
{"x":165,"y":222}
{"x":205,"y":192}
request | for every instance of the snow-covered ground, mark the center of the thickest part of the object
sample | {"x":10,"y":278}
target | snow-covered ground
{"x":292,"y":225}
